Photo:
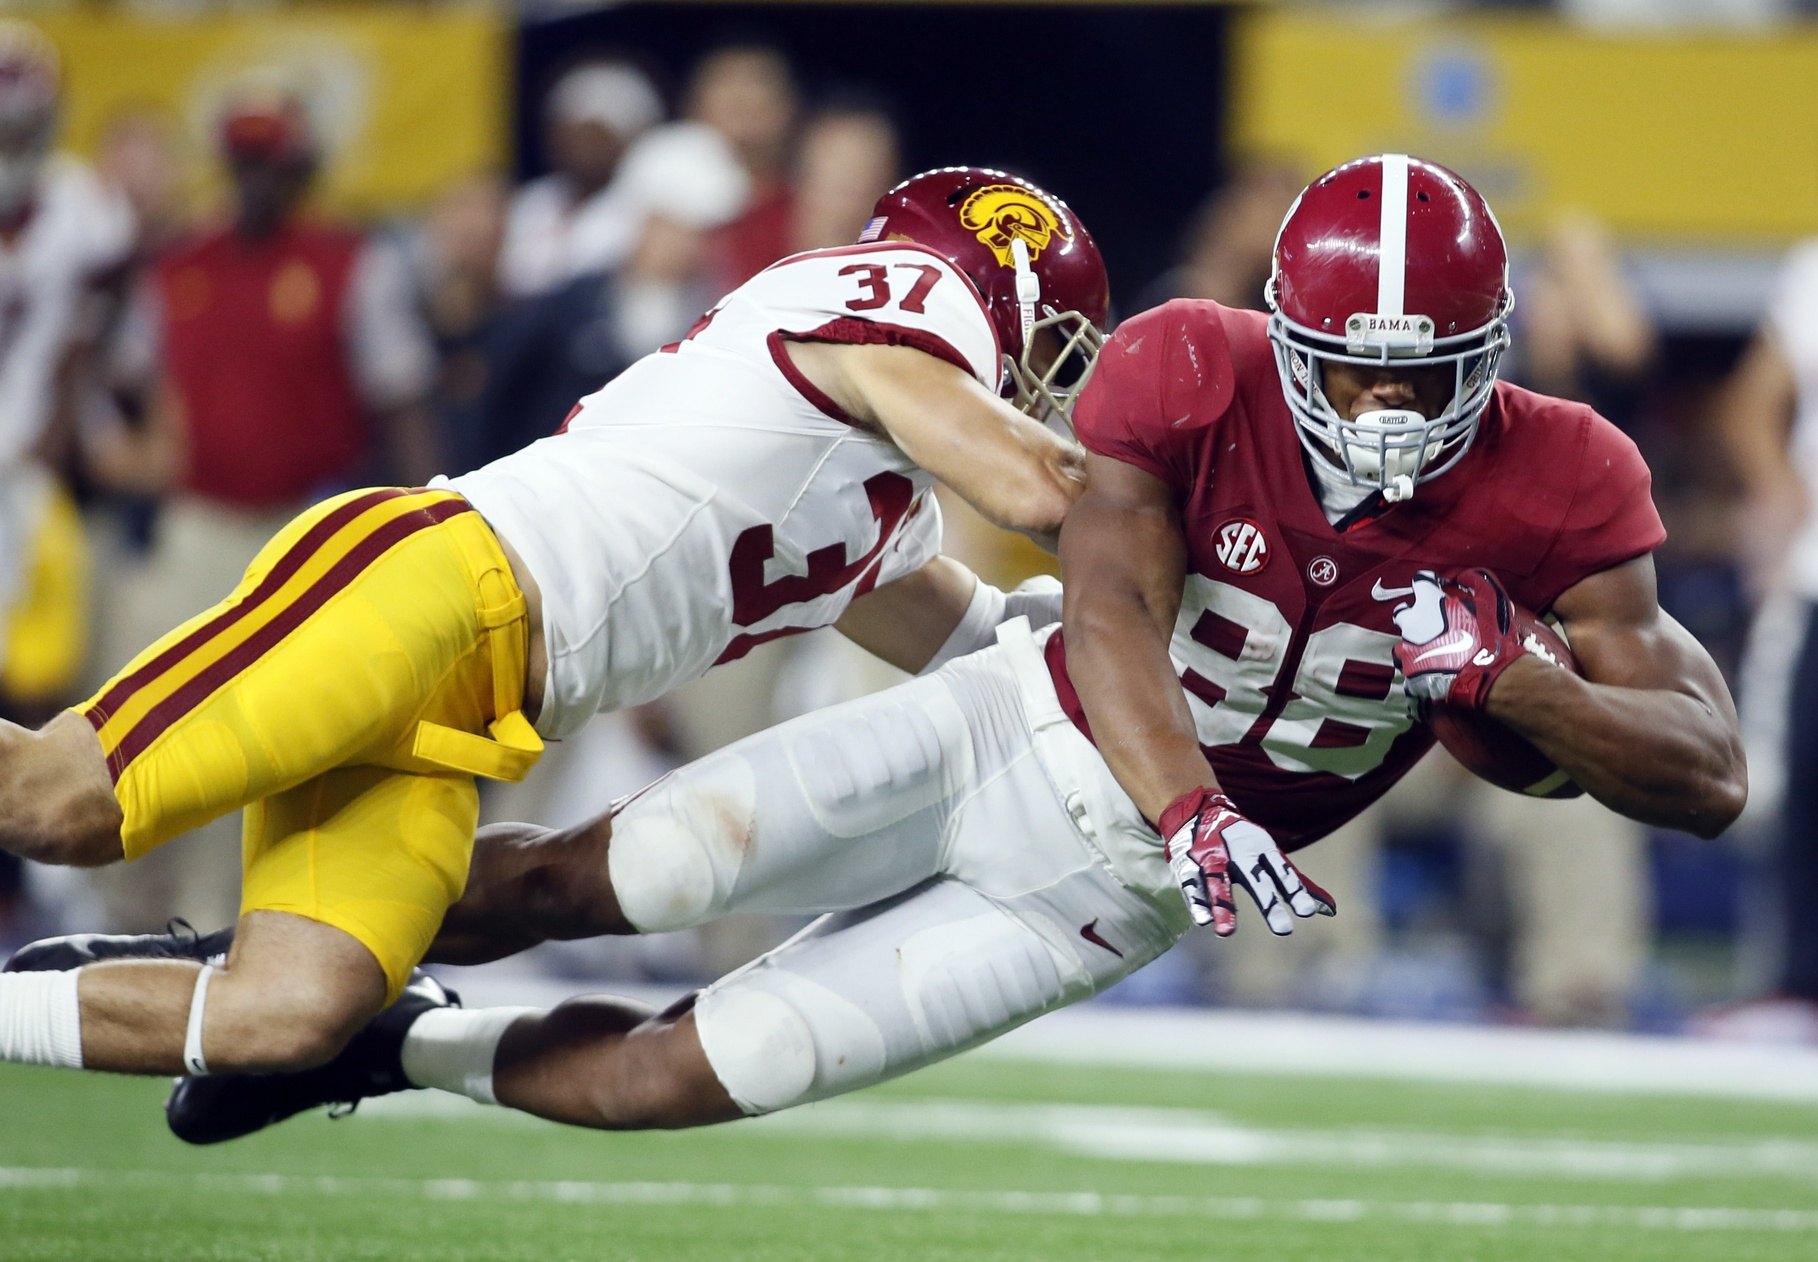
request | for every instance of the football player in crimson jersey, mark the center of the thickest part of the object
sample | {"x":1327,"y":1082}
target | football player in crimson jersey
{"x":769,"y":474}
{"x":1268,"y":496}
{"x":1286,"y":482}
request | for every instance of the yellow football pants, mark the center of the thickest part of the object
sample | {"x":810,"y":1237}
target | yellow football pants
{"x":367,"y":668}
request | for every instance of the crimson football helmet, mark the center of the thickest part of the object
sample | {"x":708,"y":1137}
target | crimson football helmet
{"x":1033,"y":262}
{"x":29,"y":86}
{"x":1389,"y":260}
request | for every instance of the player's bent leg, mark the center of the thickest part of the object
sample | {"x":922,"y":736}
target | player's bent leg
{"x":860,"y":997}
{"x":610,"y":1064}
{"x":529,"y":884}
{"x":289,"y":995}
{"x":838,"y":808}
{"x":57,"y":801}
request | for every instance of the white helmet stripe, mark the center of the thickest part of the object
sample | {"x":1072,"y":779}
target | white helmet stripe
{"x":1392,"y":256}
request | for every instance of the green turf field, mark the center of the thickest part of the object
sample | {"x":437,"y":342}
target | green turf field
{"x":977,"y":1159}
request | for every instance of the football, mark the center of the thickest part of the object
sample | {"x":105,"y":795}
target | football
{"x":1498,"y":753}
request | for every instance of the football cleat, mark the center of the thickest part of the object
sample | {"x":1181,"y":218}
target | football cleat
{"x":211,"y":1110}
{"x":179,"y":942}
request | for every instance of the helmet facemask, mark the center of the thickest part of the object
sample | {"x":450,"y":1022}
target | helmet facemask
{"x":1047,"y":393}
{"x":1390,"y":451}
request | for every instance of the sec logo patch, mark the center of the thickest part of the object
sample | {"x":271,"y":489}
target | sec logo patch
{"x":1242,"y":547}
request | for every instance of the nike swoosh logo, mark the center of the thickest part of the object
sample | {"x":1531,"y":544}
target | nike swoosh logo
{"x":1089,"y":932}
{"x":1379,"y":592}
{"x":1443,"y":645}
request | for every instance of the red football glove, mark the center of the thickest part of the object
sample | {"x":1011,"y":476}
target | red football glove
{"x":1457,"y":636}
{"x":1211,"y":847}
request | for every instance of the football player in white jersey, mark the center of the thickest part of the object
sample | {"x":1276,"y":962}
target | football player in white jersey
{"x":768,"y":474}
{"x":61,"y":232}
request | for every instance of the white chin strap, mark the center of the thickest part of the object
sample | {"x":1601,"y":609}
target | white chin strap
{"x":1028,"y":286}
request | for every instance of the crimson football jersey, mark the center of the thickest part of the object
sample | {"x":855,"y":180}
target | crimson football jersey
{"x":1284,"y":642}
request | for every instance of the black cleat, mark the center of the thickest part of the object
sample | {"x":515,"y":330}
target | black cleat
{"x":181,"y":942}
{"x":210,"y":1110}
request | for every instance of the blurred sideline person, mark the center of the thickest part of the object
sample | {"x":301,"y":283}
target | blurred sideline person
{"x":848,"y":153}
{"x":747,"y":93}
{"x":63,"y":236}
{"x":1769,"y":419}
{"x":1273,"y":572}
{"x":576,"y":219}
{"x":766,"y":475}
{"x":1576,"y":873}
{"x":1229,"y":243}
{"x":283,"y":361}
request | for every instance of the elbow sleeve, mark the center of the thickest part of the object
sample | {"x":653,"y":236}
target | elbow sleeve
{"x":1038,"y":599}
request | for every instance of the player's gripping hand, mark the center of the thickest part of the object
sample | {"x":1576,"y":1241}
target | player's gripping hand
{"x":1457,"y":636}
{"x":1210,"y":848}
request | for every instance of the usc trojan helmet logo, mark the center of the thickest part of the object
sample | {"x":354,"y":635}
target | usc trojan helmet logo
{"x":1002,"y":213}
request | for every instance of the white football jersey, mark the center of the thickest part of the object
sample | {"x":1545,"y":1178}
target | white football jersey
{"x":710,"y":498}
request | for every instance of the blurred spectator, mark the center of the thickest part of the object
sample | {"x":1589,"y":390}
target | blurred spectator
{"x":1581,"y":329}
{"x":527,"y":363}
{"x":847,"y":159}
{"x":139,"y":158}
{"x":1769,"y":418}
{"x":456,"y":258}
{"x":1577,"y":889}
{"x":62,"y":234}
{"x":1232,"y":238}
{"x":747,"y":93}
{"x":578,"y":219}
{"x":285,"y":362}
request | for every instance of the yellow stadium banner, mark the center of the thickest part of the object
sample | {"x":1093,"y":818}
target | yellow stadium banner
{"x":1683,"y":138}
{"x":407,"y":98}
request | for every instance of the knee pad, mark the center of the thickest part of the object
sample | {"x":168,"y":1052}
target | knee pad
{"x":677,"y":850}
{"x":661,"y":873}
{"x":759,"y":1046}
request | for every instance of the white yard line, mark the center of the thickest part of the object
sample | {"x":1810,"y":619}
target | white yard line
{"x":1203,"y":1137}
{"x":1081,"y":1204}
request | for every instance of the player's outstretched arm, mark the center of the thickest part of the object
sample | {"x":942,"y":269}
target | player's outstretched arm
{"x":1018,"y":473}
{"x":1651,"y":730}
{"x":922,"y":621}
{"x":1123,"y":562}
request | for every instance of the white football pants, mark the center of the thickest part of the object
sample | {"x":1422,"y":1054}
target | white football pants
{"x":979,"y":864}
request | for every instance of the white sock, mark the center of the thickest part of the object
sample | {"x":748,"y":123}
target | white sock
{"x":451,"y":1049}
{"x":41,"y":1019}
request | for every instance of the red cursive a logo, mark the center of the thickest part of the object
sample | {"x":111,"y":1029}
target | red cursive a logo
{"x":1242,"y":547}
{"x":1323,"y":570}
